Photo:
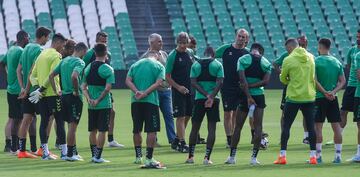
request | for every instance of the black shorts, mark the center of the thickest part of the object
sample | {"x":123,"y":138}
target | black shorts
{"x":14,"y":105}
{"x":182,"y":104}
{"x":98,"y":119}
{"x":326,"y":108}
{"x":71,"y":108}
{"x":145,"y":112}
{"x":30,"y":108}
{"x":50,"y":106}
{"x":212,"y":114}
{"x":259,"y":100}
{"x":348,"y":99}
{"x":283,"y":98}
{"x":231,"y":98}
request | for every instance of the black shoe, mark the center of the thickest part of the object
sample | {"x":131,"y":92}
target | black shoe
{"x":201,"y":141}
{"x":183,"y":148}
{"x":174,"y":146}
{"x":7,"y":149}
{"x":306,"y":140}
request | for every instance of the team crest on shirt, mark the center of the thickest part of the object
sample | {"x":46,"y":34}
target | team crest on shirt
{"x":180,"y":59}
{"x":230,"y":53}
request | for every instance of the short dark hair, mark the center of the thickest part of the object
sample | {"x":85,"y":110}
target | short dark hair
{"x":209,"y":52}
{"x":21,"y":35}
{"x":101,"y":34}
{"x":80,"y":46}
{"x":70,"y":44}
{"x":58,"y":37}
{"x":100,"y":50}
{"x":258,"y":47}
{"x":292,"y":41}
{"x":42,"y":31}
{"x":192,"y":39}
{"x":325,"y":42}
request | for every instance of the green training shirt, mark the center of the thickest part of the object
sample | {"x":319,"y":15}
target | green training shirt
{"x":11,"y":60}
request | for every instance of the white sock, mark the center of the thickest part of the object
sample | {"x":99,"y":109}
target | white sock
{"x":282,"y":153}
{"x":63,"y":149}
{"x":306,"y":134}
{"x":358,"y":150}
{"x":338,"y":149}
{"x":318,"y":149}
{"x":312,"y":153}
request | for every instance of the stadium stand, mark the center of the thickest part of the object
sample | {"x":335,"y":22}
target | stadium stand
{"x":211,"y":22}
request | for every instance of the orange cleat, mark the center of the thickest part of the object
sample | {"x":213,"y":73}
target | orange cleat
{"x":25,"y":155}
{"x":313,"y":161}
{"x":281,"y":160}
{"x":39,"y":152}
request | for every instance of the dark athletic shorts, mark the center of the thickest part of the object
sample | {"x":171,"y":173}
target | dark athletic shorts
{"x":145,"y":113}
{"x":14,"y":105}
{"x":182,"y":104}
{"x":99,"y":119}
{"x":325,"y":108}
{"x":71,"y":108}
{"x":348,"y":99}
{"x":212,"y":114}
{"x":259,"y":100}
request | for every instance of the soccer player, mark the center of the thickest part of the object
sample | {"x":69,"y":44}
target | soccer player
{"x":254,"y":73}
{"x":99,"y":78}
{"x":348,"y":97}
{"x":68,"y":51}
{"x":102,"y":37}
{"x":164,"y":91}
{"x":231,"y":92}
{"x":356,"y":158}
{"x":192,"y":45}
{"x":206,"y":77}
{"x":177,"y":75}
{"x":27,"y":59}
{"x":298,"y":73}
{"x":11,"y":60}
{"x":50,"y":102}
{"x":145,"y":103}
{"x":302,"y":40}
{"x":330,"y":79}
{"x":71,"y":69}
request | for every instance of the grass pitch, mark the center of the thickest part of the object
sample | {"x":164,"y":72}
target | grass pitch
{"x":121,"y":159}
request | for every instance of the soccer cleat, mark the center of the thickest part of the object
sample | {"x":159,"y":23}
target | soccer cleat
{"x":337,"y":160}
{"x":39,"y":152}
{"x":73,"y":158}
{"x":313,"y":161}
{"x":151,"y":163}
{"x":183,"y":148}
{"x":115,"y":144}
{"x":63,"y":157}
{"x":230,"y":160}
{"x":25,"y":154}
{"x":201,"y":141}
{"x":356,"y":159}
{"x":48,"y":157}
{"x":101,"y":160}
{"x":78,"y":157}
{"x":207,"y":162}
{"x":319,"y":159}
{"x":254,"y":161}
{"x":306,"y":140}
{"x":174,"y":146}
{"x":57,"y":146}
{"x":14,"y":153}
{"x":189,"y":160}
{"x":7,"y":149}
{"x":138,"y":160}
{"x":281,"y":160}
{"x":329,"y":143}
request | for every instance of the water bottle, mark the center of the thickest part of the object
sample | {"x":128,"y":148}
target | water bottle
{"x":251,"y":111}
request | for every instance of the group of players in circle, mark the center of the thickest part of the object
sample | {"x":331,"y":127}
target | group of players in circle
{"x":183,"y":86}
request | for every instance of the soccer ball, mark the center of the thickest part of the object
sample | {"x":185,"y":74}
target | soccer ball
{"x":264,"y":144}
